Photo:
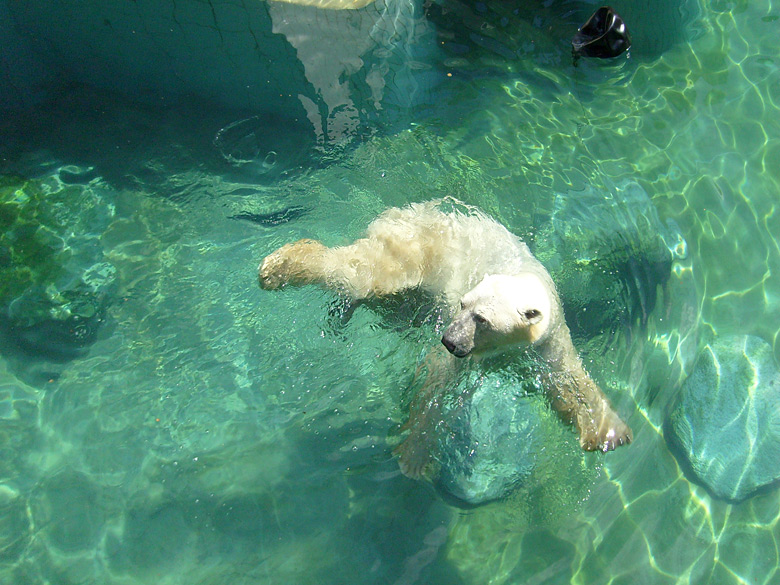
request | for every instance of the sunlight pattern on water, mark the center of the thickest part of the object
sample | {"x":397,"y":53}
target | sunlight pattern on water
{"x":188,"y":427}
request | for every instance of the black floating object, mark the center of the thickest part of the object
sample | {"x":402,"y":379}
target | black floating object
{"x":604,"y":35}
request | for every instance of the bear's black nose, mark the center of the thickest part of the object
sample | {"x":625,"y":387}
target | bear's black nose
{"x":449,"y":344}
{"x":455,"y":349}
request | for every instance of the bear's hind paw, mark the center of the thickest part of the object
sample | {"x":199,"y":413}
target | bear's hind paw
{"x":414,"y":457}
{"x":607,"y":439}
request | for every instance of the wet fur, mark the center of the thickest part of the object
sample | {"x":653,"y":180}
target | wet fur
{"x":448,"y":249}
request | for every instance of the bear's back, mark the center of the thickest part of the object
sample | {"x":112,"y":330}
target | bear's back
{"x":455,"y":247}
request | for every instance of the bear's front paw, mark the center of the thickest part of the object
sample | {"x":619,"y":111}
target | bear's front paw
{"x":291,"y":264}
{"x":606,"y":435}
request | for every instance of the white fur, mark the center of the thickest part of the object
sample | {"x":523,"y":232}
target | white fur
{"x":446,"y":252}
{"x":501,"y":296}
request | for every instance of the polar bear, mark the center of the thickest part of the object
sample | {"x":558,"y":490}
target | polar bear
{"x":500,"y":297}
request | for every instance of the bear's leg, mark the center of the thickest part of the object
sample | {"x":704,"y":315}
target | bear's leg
{"x":366,"y":268}
{"x":418,"y":452}
{"x":577,"y":398}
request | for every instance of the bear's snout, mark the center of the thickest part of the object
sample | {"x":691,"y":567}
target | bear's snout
{"x":458,"y":340}
{"x":452,"y":347}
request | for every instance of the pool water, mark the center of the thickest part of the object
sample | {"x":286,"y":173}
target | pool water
{"x":170,"y":422}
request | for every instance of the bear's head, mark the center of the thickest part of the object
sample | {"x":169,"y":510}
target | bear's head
{"x":501,"y":310}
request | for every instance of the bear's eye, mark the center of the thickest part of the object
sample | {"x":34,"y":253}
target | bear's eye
{"x":479,"y":319}
{"x":532,"y":314}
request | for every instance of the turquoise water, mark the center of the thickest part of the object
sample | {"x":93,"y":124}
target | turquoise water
{"x":173,"y":423}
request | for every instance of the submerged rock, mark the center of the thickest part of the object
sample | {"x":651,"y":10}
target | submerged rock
{"x":491,"y":444}
{"x":726,"y":425}
{"x":54,"y":280}
{"x":495,"y":430}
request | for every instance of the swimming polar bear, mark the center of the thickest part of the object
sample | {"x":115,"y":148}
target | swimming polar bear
{"x":500,"y":295}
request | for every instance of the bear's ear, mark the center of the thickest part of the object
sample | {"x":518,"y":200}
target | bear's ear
{"x":533,"y":316}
